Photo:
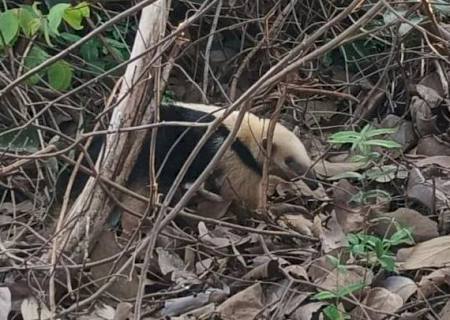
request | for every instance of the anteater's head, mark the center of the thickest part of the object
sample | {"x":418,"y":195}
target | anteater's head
{"x":289,"y":156}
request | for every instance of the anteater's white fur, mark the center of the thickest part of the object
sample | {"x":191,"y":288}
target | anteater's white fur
{"x":240,"y":183}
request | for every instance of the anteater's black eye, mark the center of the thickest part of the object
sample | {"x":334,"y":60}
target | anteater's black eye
{"x":293,"y":165}
{"x":289,"y":161}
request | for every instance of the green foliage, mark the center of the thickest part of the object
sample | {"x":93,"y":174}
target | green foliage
{"x":60,"y":75}
{"x":332,"y":312}
{"x":168,"y":96}
{"x":35,"y":57}
{"x":31,"y":22}
{"x":340,"y":292}
{"x":75,"y":15}
{"x":20,"y":141}
{"x":371,"y":196}
{"x":442,"y":6}
{"x":9,"y":27}
{"x":363,"y":141}
{"x":375,"y":251}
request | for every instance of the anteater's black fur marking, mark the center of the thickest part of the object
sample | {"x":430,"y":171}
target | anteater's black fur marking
{"x":185,"y":139}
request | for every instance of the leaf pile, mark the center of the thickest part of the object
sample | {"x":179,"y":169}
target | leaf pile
{"x":371,"y":104}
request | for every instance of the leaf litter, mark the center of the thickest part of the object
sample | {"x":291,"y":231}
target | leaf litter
{"x":387,"y":185}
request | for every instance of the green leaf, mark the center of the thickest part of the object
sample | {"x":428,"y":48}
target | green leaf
{"x":382,"y":174}
{"x":359,"y":249}
{"x":333,"y":260}
{"x":28,"y":20}
{"x":352,"y":238}
{"x":116,"y":44}
{"x":74,"y":16}
{"x":347,"y":175}
{"x":55,"y":16}
{"x":46,"y":30}
{"x":377,"y":132}
{"x":9,"y":27}
{"x":35,"y":57}
{"x":60,"y":75}
{"x":344,"y":137}
{"x":406,"y":27}
{"x":117,"y":53}
{"x":388,"y":263}
{"x":90,"y":51}
{"x":83,"y":8}
{"x":443,"y":6}
{"x":331,"y":312}
{"x":69,"y":37}
{"x":345,"y":291}
{"x":19,"y":141}
{"x":402,"y":236}
{"x":360,"y":158}
{"x":324,"y":295}
{"x":392,"y":16}
{"x":35,"y":9}
{"x":383,"y":143}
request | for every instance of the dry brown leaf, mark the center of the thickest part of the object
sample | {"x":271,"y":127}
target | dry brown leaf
{"x":203,"y":312}
{"x":403,"y":286}
{"x":219,"y":237}
{"x":430,"y":283}
{"x":319,"y":110}
{"x":307,"y":311}
{"x":177,"y":306}
{"x":169,"y":262}
{"x":26,"y":206}
{"x":441,"y":161}
{"x":208,"y":206}
{"x":430,"y":95}
{"x":434,"y":81}
{"x":244,"y":305}
{"x":263,"y":271}
{"x":431,"y":193}
{"x":432,"y":145}
{"x":332,"y":237}
{"x":404,"y":134}
{"x":300,"y":189}
{"x":319,"y":268}
{"x":290,"y":306}
{"x":432,"y":253}
{"x":381,"y":300}
{"x":296,"y":271}
{"x":338,"y":278}
{"x":124,"y":287}
{"x":413,"y":315}
{"x":425,"y":121}
{"x":422,"y":228}
{"x":350,"y":218}
{"x":296,"y":222}
{"x":329,"y":169}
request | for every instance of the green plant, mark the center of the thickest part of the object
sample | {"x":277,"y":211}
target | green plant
{"x":332,"y":311}
{"x":376,"y":251}
{"x":30,"y":22}
{"x":362,"y":142}
{"x":371,"y":196}
{"x":168,"y":96}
